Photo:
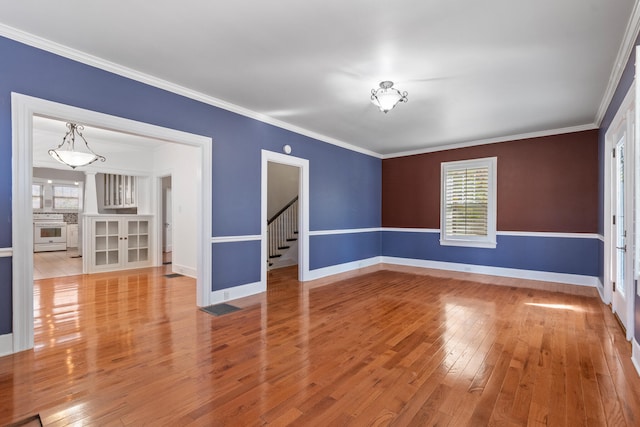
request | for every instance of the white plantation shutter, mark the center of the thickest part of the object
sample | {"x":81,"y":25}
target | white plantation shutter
{"x":468,"y":203}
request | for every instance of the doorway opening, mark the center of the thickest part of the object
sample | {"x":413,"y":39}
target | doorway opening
{"x":285,"y":199}
{"x":167,"y":219}
{"x":619,"y":227}
{"x":24,"y":108}
{"x":283,"y":182}
{"x":56,"y":202}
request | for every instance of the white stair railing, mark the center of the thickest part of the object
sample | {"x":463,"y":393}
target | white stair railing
{"x":282,"y":229}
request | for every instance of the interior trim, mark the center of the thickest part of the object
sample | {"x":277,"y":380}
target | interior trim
{"x":624,"y":54}
{"x":231,"y":239}
{"x":303,"y":210}
{"x":6,"y":344}
{"x":345,"y":231}
{"x":507,"y":138}
{"x":6,"y":252}
{"x":94,"y":61}
{"x":85,"y":58}
{"x":635,"y":355}
{"x":556,"y":235}
{"x":545,"y":276}
{"x":236,"y":292}
{"x":23,"y":108}
{"x":323,"y":272}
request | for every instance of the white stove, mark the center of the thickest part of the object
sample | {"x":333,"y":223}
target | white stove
{"x":49,"y":232}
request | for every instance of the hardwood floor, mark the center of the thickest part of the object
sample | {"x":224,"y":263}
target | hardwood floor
{"x":56,"y":264}
{"x":382,"y":348}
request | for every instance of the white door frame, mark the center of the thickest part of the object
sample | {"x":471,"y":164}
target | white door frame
{"x":159,"y":203}
{"x":23,"y":108}
{"x":303,"y":203}
{"x":621,"y":115}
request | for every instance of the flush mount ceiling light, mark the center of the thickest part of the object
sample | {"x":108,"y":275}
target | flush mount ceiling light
{"x":386,"y":96}
{"x":67,"y":153}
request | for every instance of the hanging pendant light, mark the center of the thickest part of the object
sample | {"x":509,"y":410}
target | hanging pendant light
{"x":67,"y":152}
{"x":386,"y":96}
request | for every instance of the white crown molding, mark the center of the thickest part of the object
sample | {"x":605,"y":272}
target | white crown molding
{"x":487,"y":141}
{"x":628,"y":42}
{"x":631,"y":33}
{"x":94,"y":61}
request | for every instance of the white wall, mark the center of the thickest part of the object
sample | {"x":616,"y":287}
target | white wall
{"x":282,"y":181}
{"x":178,"y":161}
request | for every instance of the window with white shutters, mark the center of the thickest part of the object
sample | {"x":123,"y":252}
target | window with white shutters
{"x":468,"y":203}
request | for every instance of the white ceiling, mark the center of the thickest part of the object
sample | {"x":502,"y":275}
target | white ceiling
{"x":474,"y":70}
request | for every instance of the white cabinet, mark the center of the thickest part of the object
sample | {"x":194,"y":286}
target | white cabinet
{"x":119,"y":242}
{"x":119,"y":191}
{"x":72,"y":235}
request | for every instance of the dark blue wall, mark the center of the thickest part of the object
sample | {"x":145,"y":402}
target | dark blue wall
{"x":328,"y":250}
{"x":623,"y":87}
{"x":236,"y":263}
{"x":6,"y":311}
{"x":344,"y":185}
{"x":547,"y":254}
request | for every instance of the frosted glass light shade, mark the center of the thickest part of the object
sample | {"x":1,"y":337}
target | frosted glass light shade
{"x":66,"y":152}
{"x":73,"y":158}
{"x":386,"y":97}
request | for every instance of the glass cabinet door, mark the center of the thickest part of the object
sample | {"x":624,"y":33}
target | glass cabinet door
{"x":106,"y":242}
{"x":137,"y":240}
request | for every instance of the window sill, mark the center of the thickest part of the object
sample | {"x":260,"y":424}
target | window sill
{"x":468,"y":243}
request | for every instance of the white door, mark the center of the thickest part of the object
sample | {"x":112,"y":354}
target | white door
{"x":622,"y":274}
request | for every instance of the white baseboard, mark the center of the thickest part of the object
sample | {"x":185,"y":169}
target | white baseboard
{"x":545,"y":276}
{"x":635,"y":355}
{"x":341,"y":268}
{"x":184,"y":270}
{"x":237,"y":292}
{"x":6,"y":344}
{"x":257,"y":287}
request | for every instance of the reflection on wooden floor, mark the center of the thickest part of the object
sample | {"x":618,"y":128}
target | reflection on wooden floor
{"x":380,"y":348}
{"x":56,"y":264}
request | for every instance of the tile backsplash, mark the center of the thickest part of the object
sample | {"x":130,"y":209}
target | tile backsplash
{"x":69,"y":218}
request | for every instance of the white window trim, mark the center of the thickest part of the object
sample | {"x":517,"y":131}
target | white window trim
{"x":47,"y":194}
{"x":488,"y":241}
{"x":54,"y":197}
{"x":41,"y":197}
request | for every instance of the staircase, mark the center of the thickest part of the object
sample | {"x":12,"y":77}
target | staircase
{"x":282,"y":236}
